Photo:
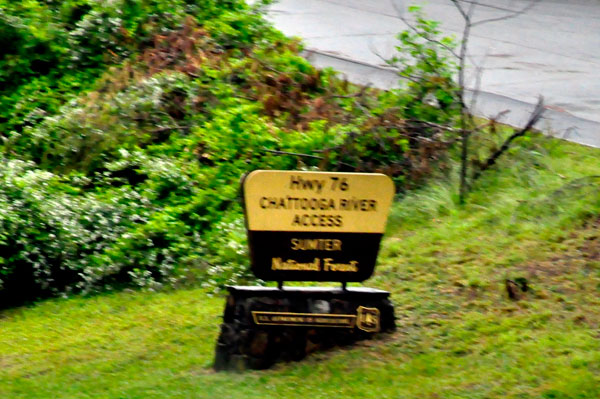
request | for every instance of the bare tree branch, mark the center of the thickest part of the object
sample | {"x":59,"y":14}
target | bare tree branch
{"x":378,"y":54}
{"x":432,"y":124}
{"x":491,"y":121}
{"x":490,"y":6}
{"x":393,"y":66}
{"x":533,"y":119}
{"x":466,"y":117}
{"x":500,"y":115}
{"x":466,"y":8}
{"x":460,"y":9}
{"x":297,"y":154}
{"x":514,"y":14}
{"x":429,"y":39}
{"x":475,"y":90}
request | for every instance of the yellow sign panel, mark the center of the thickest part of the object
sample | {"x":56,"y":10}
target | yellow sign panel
{"x":317,"y":202}
{"x":368,"y":319}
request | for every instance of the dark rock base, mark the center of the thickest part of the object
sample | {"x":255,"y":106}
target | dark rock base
{"x":262,"y":326}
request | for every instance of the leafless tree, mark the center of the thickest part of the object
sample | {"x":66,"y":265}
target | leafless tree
{"x":466,"y":9}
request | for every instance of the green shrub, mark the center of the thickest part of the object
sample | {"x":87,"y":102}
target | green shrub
{"x":53,"y":50}
{"x":125,"y":160}
{"x":50,"y":231}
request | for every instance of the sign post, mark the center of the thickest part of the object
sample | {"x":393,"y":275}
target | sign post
{"x":307,"y":226}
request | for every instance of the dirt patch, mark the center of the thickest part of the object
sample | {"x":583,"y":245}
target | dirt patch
{"x":581,"y":255}
{"x":591,"y":246}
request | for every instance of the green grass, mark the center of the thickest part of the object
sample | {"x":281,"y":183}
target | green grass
{"x":459,"y":336}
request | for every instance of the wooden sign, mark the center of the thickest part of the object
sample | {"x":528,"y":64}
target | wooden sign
{"x":315,"y":226}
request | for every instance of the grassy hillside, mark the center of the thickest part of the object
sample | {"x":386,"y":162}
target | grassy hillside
{"x":459,"y":335}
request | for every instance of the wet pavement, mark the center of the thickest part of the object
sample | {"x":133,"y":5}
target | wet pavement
{"x":551,"y":50}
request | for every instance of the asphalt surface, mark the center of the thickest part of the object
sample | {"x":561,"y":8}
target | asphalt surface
{"x":553,"y":50}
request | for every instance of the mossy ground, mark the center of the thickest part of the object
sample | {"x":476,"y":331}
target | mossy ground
{"x":459,"y":335}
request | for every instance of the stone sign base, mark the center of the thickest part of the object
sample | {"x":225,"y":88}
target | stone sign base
{"x":263,"y":325}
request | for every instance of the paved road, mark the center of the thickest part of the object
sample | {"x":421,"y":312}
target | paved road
{"x":553,"y":50}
